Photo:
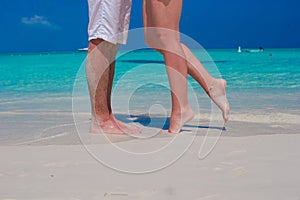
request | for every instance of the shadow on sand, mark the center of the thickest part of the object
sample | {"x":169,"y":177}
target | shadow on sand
{"x":159,"y":122}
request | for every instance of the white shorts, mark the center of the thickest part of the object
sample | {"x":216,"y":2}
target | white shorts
{"x":109,"y":20}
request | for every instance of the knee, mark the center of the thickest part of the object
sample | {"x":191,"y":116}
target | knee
{"x":159,"y":40}
{"x":94,"y":43}
{"x":102,"y":45}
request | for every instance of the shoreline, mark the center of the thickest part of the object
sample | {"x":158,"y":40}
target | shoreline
{"x":56,"y":127}
{"x":84,"y":52}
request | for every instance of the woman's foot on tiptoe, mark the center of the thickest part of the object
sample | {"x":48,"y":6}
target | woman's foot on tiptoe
{"x":178,"y":120}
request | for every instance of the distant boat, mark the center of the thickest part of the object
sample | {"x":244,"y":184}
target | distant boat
{"x":239,"y":49}
{"x":260,"y":49}
{"x":83,"y":49}
{"x":253,"y":50}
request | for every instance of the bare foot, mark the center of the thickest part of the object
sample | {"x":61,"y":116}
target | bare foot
{"x":108,"y":126}
{"x":177,"y":121}
{"x":113,"y":126}
{"x":217,"y":92}
{"x":130,"y":129}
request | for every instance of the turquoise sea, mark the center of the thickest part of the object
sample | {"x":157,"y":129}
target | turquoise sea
{"x":32,"y":85}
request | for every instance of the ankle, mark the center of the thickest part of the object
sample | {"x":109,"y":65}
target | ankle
{"x":211,"y":87}
{"x":184,"y":109}
{"x":100,"y":120}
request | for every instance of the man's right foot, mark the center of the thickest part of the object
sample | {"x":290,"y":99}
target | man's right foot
{"x":112,"y":126}
{"x":129,"y":129}
{"x":108,"y":127}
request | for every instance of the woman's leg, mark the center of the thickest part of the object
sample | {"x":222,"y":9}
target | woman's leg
{"x":162,"y":16}
{"x":215,"y":88}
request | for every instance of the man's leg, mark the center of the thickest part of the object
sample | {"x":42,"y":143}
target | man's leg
{"x":101,"y":60}
{"x":98,"y":69}
{"x":123,"y":126}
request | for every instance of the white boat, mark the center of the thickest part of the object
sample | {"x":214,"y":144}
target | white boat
{"x":260,"y":49}
{"x":83,"y":49}
{"x":239,"y":49}
{"x":253,"y":50}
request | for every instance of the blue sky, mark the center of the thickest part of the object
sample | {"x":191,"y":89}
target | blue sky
{"x":61,"y":25}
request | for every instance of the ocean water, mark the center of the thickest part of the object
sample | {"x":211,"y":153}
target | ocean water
{"x":34,"y":85}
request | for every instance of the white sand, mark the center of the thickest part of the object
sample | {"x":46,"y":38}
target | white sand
{"x":258,"y":167}
{"x":258,"y":157}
